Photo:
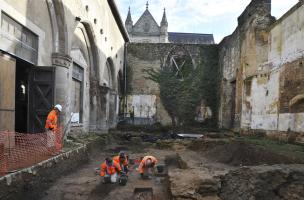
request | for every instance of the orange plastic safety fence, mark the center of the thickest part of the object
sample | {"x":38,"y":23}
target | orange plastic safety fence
{"x":19,"y":150}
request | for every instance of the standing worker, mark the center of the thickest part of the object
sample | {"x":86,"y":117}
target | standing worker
{"x":51,"y":126}
{"x":109,"y":170}
{"x":146,"y":166}
{"x":123,"y":161}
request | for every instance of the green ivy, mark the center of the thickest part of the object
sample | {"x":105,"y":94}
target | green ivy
{"x":181,"y":98}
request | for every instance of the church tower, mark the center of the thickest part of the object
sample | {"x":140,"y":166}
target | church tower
{"x":146,"y":29}
{"x":164,"y":28}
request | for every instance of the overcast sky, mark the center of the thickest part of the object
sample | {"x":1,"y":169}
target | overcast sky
{"x":198,"y":16}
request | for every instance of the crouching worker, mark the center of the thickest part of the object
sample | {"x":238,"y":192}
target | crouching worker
{"x":123,"y":161}
{"x":147,"y":166}
{"x":110,"y":169}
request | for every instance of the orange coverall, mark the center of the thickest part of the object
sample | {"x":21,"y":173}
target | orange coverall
{"x":104,"y":168}
{"x":142,"y":164}
{"x":125,"y":163}
{"x":51,"y":121}
{"x":52,"y":124}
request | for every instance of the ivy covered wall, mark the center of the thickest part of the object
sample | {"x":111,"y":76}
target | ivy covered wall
{"x":195,"y":84}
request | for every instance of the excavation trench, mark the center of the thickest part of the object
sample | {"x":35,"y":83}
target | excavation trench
{"x":85,"y":183}
{"x":203,"y":169}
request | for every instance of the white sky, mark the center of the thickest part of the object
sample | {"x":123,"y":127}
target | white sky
{"x":199,"y":16}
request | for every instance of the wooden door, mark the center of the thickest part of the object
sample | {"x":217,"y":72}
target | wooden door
{"x":7,"y":92}
{"x":41,"y":97}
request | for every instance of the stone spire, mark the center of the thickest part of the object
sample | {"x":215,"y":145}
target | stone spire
{"x":129,"y":22}
{"x":164,"y":21}
{"x":147,"y":5}
{"x":129,"y":17}
{"x":164,"y":28}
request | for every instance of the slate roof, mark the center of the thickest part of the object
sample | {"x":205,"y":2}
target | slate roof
{"x":190,"y":38}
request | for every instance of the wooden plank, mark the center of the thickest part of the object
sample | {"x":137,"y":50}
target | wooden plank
{"x":7,"y":92}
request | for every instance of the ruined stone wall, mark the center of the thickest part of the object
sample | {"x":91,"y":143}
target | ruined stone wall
{"x":229,"y":54}
{"x":141,"y":56}
{"x":265,"y":59}
{"x":240,"y":55}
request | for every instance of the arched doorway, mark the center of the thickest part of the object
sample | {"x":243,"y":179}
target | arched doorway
{"x":83,"y":76}
{"x":109,"y":99}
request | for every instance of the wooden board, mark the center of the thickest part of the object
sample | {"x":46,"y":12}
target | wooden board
{"x":7,"y":92}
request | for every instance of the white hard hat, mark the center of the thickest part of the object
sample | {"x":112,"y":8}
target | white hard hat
{"x":59,"y":107}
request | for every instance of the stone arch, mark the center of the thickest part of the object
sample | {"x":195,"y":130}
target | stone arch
{"x":95,"y":92}
{"x":110,"y":68}
{"x":112,"y":98}
{"x":176,"y":47}
{"x":80,"y":77}
{"x":93,"y":49}
{"x":59,"y":26}
{"x":180,"y":61}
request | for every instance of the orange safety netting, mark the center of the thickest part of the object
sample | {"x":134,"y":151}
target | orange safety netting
{"x":19,"y":150}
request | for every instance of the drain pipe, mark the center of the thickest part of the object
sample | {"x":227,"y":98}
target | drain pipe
{"x":125,"y":77}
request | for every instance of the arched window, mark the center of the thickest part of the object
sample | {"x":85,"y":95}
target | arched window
{"x":180,"y":62}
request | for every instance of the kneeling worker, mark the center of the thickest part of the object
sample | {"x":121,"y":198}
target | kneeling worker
{"x":146,"y":166}
{"x":109,"y":169}
{"x":122,"y":159}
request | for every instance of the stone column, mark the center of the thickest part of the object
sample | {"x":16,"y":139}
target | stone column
{"x":62,"y":84}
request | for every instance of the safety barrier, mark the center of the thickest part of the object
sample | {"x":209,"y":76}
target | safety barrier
{"x":19,"y":150}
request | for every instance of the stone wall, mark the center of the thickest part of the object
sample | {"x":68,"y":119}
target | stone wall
{"x":261,"y":64}
{"x":141,"y":56}
{"x":84,"y":32}
{"x":240,"y":55}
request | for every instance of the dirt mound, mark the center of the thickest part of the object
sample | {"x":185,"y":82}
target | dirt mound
{"x":238,"y":153}
{"x":264,"y":182}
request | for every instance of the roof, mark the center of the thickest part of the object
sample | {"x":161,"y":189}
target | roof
{"x":118,"y":20}
{"x":146,"y":15}
{"x":190,"y":38}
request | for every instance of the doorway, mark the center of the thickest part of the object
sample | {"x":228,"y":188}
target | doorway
{"x":21,"y":96}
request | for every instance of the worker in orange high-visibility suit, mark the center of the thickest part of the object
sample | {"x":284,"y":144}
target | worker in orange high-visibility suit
{"x":146,"y":166}
{"x":51,"y":126}
{"x":109,"y":169}
{"x":123,"y":161}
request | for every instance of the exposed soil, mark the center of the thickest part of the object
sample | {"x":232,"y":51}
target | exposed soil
{"x":86,"y":183}
{"x":193,"y":169}
{"x":239,"y":153}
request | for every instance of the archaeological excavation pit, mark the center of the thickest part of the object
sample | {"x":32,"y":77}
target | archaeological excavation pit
{"x":200,"y":169}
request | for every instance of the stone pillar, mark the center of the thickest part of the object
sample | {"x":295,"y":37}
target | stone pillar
{"x":62,"y":84}
{"x":103,"y":116}
{"x":112,"y":109}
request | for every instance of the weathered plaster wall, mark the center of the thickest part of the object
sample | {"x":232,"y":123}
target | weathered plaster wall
{"x":240,"y":56}
{"x":229,"y":63}
{"x":265,"y":58}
